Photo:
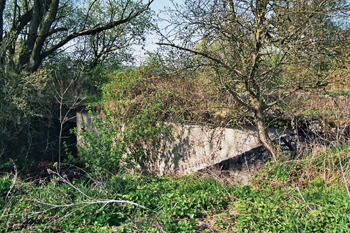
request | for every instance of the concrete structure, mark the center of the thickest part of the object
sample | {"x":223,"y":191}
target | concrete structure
{"x":194,"y":147}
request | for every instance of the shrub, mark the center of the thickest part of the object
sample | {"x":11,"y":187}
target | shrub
{"x":130,"y":120}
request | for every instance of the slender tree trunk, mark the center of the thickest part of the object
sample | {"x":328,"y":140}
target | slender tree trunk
{"x":12,"y":46}
{"x":2,"y":49}
{"x":263,"y":135}
{"x":2,"y":8}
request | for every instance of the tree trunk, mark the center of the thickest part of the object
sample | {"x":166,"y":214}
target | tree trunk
{"x":35,"y":21}
{"x":2,"y":49}
{"x":263,"y":135}
{"x":2,"y":7}
{"x":35,"y":57}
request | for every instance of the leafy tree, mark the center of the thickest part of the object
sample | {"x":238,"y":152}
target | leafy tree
{"x":41,"y":56}
{"x":263,"y":50}
{"x":38,"y":29}
{"x":113,"y":46}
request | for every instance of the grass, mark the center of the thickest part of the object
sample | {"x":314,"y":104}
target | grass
{"x":305,"y":195}
{"x":173,"y":204}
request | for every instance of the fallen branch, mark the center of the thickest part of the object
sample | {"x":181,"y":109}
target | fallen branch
{"x":94,"y":201}
{"x":77,"y":205}
{"x":85,"y":203}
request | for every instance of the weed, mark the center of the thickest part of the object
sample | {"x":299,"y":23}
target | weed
{"x":305,"y":195}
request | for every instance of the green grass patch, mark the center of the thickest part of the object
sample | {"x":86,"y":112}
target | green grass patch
{"x":172,"y":204}
{"x":306,"y":195}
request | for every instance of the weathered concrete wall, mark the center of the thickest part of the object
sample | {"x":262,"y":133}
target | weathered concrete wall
{"x":194,"y":147}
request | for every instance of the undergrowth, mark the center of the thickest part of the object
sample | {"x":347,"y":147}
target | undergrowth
{"x":172,"y":205}
{"x":305,"y":195}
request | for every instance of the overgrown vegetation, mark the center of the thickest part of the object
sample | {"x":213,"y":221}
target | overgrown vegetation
{"x":257,"y":63}
{"x":132,"y":108}
{"x":258,"y":53}
{"x":309,"y":194}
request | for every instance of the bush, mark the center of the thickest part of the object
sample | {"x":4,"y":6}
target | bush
{"x":23,"y":98}
{"x":128,"y":127}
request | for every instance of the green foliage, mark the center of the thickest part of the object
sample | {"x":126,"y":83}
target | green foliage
{"x":5,"y":183}
{"x":282,"y":210}
{"x":22,"y":99}
{"x":290,"y":197}
{"x":308,"y":195}
{"x":172,"y":204}
{"x":102,"y":31}
{"x":101,"y":75}
{"x":129,"y":125}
